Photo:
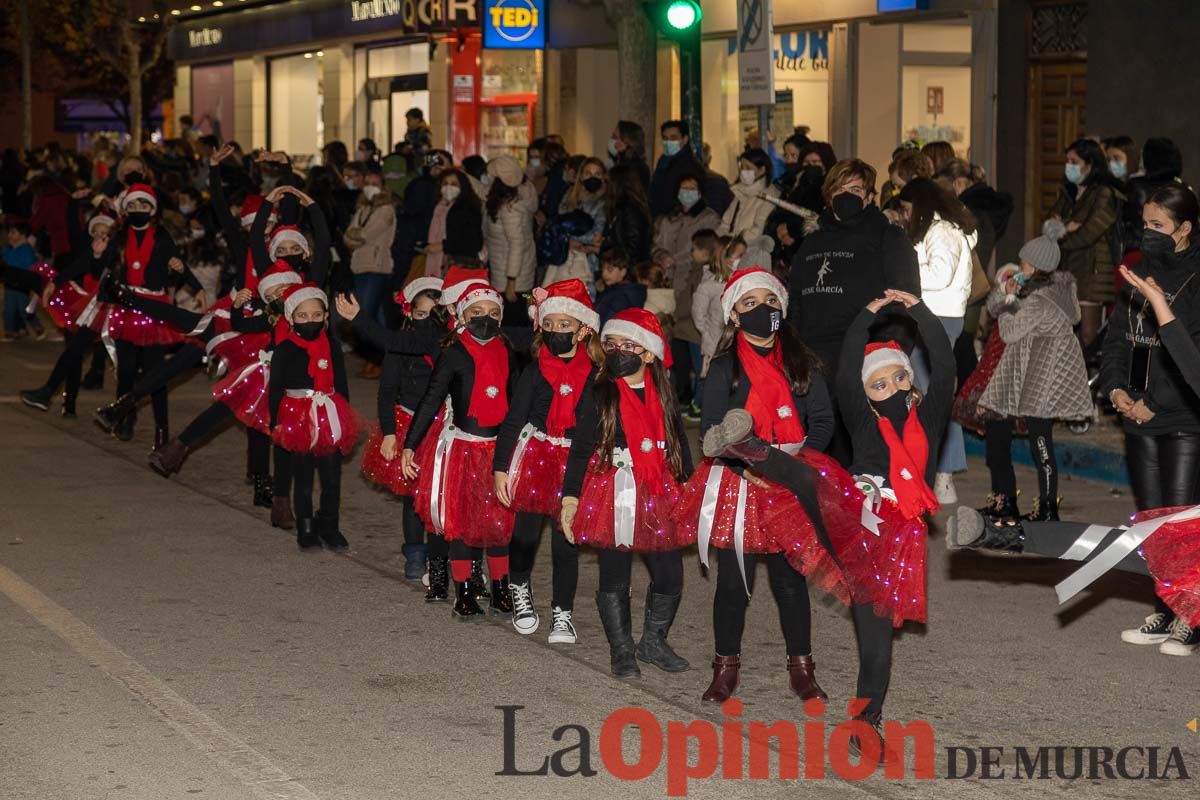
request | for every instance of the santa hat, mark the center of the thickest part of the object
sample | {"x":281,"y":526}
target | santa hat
{"x":477,"y":293}
{"x":883,"y":354}
{"x":288,"y":233}
{"x":568,"y":297}
{"x":640,"y":326}
{"x":405,"y":297}
{"x":139,"y":191}
{"x":457,"y":279}
{"x":280,"y":274}
{"x":747,"y":280}
{"x":250,"y":206}
{"x":296,"y":294}
{"x":99,"y":219}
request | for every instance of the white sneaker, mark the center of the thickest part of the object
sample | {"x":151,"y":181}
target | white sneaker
{"x":524,"y":615}
{"x":425,"y":577}
{"x":562,"y":631}
{"x":1157,"y":628}
{"x":943,"y":489}
{"x":1183,"y":641}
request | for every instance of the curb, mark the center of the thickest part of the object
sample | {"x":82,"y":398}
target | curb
{"x":1078,"y":460}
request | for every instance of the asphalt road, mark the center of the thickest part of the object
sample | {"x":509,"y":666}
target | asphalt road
{"x":159,"y":640}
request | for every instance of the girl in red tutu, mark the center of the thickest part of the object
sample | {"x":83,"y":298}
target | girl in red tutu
{"x":627,"y":460}
{"x":407,"y":369}
{"x":531,"y":451}
{"x":455,"y":494}
{"x":66,"y":298}
{"x":761,"y":366}
{"x":311,"y":415}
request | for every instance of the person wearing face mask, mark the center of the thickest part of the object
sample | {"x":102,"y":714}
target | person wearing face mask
{"x":1123,"y":159}
{"x":1161,"y":163}
{"x":630,"y":453}
{"x":627,"y":146}
{"x":532,"y":448}
{"x":761,"y":366}
{"x":799,"y":201}
{"x":508,"y":231}
{"x":677,"y":161}
{"x":748,"y":214}
{"x":1089,"y":204}
{"x":311,"y":416}
{"x":456,"y":229}
{"x":584,"y":210}
{"x":407,"y":369}
{"x":535,"y":164}
{"x":456,"y":495}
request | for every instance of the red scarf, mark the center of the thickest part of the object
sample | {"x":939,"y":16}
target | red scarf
{"x":138,"y":254}
{"x":643,"y":422}
{"x":907,"y":460}
{"x":489,"y":393}
{"x":320,"y":364}
{"x":566,"y":379}
{"x":770,"y":400}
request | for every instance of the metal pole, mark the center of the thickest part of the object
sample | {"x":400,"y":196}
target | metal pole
{"x":689,"y":84}
{"x":764,"y":126}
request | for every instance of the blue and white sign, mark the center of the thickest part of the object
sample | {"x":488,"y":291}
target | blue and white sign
{"x":514,"y":24}
{"x":901,"y":5}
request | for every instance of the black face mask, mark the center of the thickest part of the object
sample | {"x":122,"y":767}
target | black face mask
{"x":619,"y":364}
{"x":1156,"y":244}
{"x":424,"y":325}
{"x":134,"y":177}
{"x":296,"y":261}
{"x":308,"y":330}
{"x":558,"y":342}
{"x":593,"y":184}
{"x":275,"y":306}
{"x":895,"y":408}
{"x":761,"y":321}
{"x":813,"y":175}
{"x":846,"y":206}
{"x":790,"y":170}
{"x":138,"y":219}
{"x":484,"y":328}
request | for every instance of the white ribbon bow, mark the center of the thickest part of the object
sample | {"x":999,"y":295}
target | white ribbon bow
{"x":320,"y":400}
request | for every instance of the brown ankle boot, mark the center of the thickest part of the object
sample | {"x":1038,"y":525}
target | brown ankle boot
{"x":803,"y":679}
{"x":281,"y":513}
{"x":724,"y":679}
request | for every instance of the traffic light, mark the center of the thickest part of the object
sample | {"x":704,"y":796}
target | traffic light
{"x":679,"y":22}
{"x":675,"y":18}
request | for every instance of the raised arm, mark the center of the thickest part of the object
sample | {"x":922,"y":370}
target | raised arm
{"x":851,"y":398}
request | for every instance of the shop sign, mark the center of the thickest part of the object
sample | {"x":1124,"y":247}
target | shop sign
{"x":756,"y":67}
{"x":418,"y":15}
{"x":901,"y":5}
{"x":464,"y":88}
{"x":205,"y":37}
{"x":799,"y":51}
{"x":514,"y":24}
{"x":935,"y":100}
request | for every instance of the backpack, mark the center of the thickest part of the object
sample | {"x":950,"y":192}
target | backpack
{"x":554,"y":243}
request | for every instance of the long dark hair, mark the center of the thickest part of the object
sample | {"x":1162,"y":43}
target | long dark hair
{"x":1180,"y":203}
{"x":798,"y":360}
{"x":928,"y":198}
{"x":499,"y":194}
{"x":467,"y":194}
{"x":438,"y":313}
{"x":1090,"y":152}
{"x":608,"y":401}
{"x":625,"y":189}
{"x":634,"y":138}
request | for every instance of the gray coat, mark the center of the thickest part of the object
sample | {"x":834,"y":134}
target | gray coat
{"x":1041,"y":373}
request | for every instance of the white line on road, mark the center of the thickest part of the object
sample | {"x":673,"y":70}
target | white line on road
{"x":236,"y":757}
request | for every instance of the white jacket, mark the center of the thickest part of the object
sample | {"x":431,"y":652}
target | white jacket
{"x":509,"y":238}
{"x":747,"y":214}
{"x":944,"y":256}
{"x":707,"y":313}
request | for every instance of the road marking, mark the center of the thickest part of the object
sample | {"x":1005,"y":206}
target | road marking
{"x":247,"y":765}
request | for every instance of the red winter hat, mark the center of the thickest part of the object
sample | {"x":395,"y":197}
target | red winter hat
{"x":405,"y":297}
{"x":250,"y":206}
{"x":883,"y":354}
{"x":568,"y":297}
{"x":641,"y":326}
{"x":288,"y":233}
{"x":474,"y":293}
{"x":280,"y":274}
{"x":457,"y":279}
{"x":293,"y":296}
{"x":139,"y":191}
{"x":749,"y":279}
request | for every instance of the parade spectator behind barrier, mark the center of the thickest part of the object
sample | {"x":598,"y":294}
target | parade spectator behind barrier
{"x":369,"y":238}
{"x":18,"y":254}
{"x":416,"y":214}
{"x":748,"y":214}
{"x":627,"y":146}
{"x":618,"y":289}
{"x":368,"y":154}
{"x":1124,"y":158}
{"x":915,"y":168}
{"x":939,"y":154}
{"x":588,"y":195}
{"x":560,"y":183}
{"x":417,"y":136}
{"x":456,"y":230}
{"x":1088,"y":204}
{"x":535,"y":164}
{"x":627,"y":215}
{"x":800,"y":187}
{"x":553,"y":186}
{"x":508,"y":233}
{"x":1162,"y":164}
{"x":678,"y":161}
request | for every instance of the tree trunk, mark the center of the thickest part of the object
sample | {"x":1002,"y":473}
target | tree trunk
{"x":26,"y":76}
{"x":637,"y":58}
{"x":134,"y":75}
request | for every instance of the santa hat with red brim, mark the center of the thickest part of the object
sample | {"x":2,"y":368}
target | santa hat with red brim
{"x":747,"y":280}
{"x":457,"y":280}
{"x":405,"y":297}
{"x":883,"y":354}
{"x":568,"y":297}
{"x":640,"y":326}
{"x":250,"y":206}
{"x":280,"y":274}
{"x":293,"y":296}
{"x":288,"y":233}
{"x":139,"y":191}
{"x":99,"y":219}
{"x":477,"y":293}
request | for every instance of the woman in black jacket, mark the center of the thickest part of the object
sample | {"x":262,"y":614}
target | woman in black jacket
{"x":628,"y":226}
{"x":456,"y":229}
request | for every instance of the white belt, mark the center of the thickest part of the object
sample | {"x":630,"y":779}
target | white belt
{"x":527,"y":433}
{"x":320,"y":399}
{"x":105,"y":333}
{"x":708,"y":512}
{"x":625,"y":502}
{"x":440,"y":455}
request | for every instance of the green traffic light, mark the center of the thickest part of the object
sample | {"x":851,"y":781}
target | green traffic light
{"x":683,"y":14}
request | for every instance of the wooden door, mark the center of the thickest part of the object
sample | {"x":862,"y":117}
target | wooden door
{"x":1057,"y":117}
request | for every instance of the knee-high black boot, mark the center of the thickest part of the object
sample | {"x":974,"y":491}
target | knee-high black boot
{"x":618,"y":627}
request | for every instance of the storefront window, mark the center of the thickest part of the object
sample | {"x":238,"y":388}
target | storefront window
{"x":296,"y":100}
{"x":397,"y":80}
{"x":937,"y":105}
{"x":212,"y":99}
{"x":508,"y":101}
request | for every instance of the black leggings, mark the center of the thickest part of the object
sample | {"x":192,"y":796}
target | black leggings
{"x":564,"y":557}
{"x":186,"y":358}
{"x":414,"y":529}
{"x":730,"y":602}
{"x":69,"y":365}
{"x":218,"y":415}
{"x":329,"y":468}
{"x":1041,"y":450}
{"x":666,"y":571}
{"x":281,"y":481}
{"x":134,"y":360}
{"x":461,"y":551}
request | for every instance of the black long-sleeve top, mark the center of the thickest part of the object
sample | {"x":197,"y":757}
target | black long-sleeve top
{"x":586,"y":440}
{"x":407,"y":366}
{"x":318,"y":268}
{"x":727,"y":386}
{"x":289,"y":370}
{"x":255,"y":323}
{"x":157,"y":276}
{"x":239,"y":244}
{"x":870,"y":453}
{"x":453,"y":377}
{"x":1182,"y":347}
{"x":529,"y":404}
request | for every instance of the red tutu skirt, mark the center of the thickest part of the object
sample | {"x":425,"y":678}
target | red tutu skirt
{"x":457,"y":478}
{"x":245,"y":391}
{"x":387,"y":474}
{"x":128,"y":325}
{"x":67,"y":304}
{"x":306,"y":424}
{"x":237,"y":350}
{"x":1172,"y":554}
{"x":536,"y":474}
{"x":654,"y":529}
{"x":773,"y":519}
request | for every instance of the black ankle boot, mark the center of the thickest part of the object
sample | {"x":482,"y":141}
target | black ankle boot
{"x":93,"y":381}
{"x":1003,"y":506}
{"x":124,"y":430}
{"x":501,"y":602}
{"x":1044,"y":510}
{"x":306,"y":534}
{"x":68,"y":407}
{"x":327,"y":529}
{"x":439,"y":579}
{"x":262,"y":491}
{"x":479,"y":587}
{"x":109,"y":417}
{"x":653,"y":647}
{"x":618,"y":627}
{"x":167,"y":459}
{"x":465,"y":607}
{"x":36,"y":398}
